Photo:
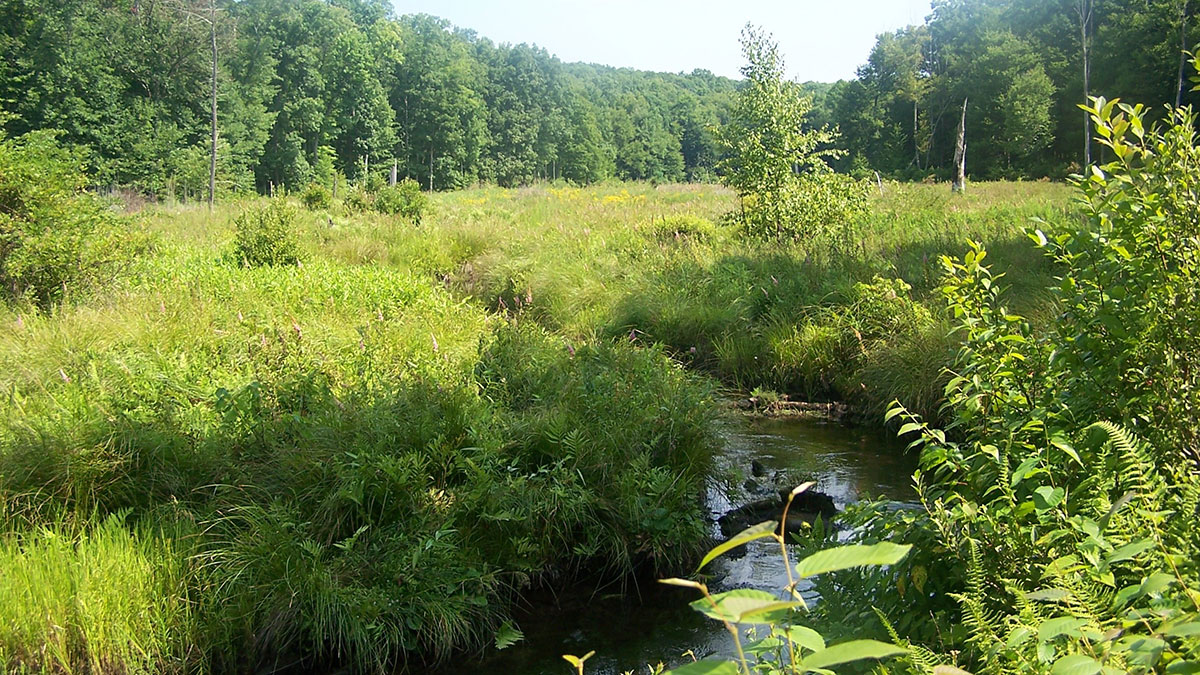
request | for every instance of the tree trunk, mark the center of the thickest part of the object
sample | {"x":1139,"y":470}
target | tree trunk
{"x":1084,"y":7}
{"x":392,"y":178}
{"x":212,"y":160}
{"x":916,"y":143}
{"x":1183,"y":21}
{"x":431,"y":168}
{"x":960,"y":154}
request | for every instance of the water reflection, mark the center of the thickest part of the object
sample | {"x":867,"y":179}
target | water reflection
{"x":653,"y":624}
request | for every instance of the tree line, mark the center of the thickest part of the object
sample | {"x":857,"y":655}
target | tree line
{"x":307,"y":90}
{"x":1023,"y":67}
{"x":325,"y":90}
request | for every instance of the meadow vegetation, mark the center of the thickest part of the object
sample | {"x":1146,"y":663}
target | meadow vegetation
{"x":327,"y":435}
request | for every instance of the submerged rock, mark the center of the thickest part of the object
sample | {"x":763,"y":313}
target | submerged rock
{"x":806,"y":508}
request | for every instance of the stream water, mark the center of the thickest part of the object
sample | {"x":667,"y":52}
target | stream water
{"x":653,"y":623}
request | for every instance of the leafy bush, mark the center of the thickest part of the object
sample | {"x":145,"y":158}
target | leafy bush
{"x":688,"y":228}
{"x":316,"y":197}
{"x":54,"y":237}
{"x":358,"y":199}
{"x":778,"y":642}
{"x":1068,"y":542}
{"x":266,"y":235}
{"x":777,"y":165}
{"x":402,"y":199}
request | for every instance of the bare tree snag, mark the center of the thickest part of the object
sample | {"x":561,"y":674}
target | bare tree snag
{"x":212,"y":159}
{"x":1183,"y":49}
{"x":392,"y":178}
{"x":960,"y":154}
{"x":1084,"y":9}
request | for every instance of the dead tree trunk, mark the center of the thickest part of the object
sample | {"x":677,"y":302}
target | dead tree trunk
{"x":1084,"y":8}
{"x":960,"y":154}
{"x":392,"y":178}
{"x":212,"y":159}
{"x":916,"y":143}
{"x":1183,"y":21}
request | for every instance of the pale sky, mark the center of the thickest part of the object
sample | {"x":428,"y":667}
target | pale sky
{"x":822,"y":40}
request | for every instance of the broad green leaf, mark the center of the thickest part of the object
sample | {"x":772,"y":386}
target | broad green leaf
{"x":771,"y":614}
{"x":949,"y":670}
{"x":731,"y":605}
{"x":1183,"y":630}
{"x":767,"y":644}
{"x":706,"y":668}
{"x":759,"y":531}
{"x":1076,"y":664}
{"x":1046,"y":498}
{"x":1063,"y":625}
{"x":806,"y":638}
{"x":854,"y":650}
{"x":855,"y":555}
{"x":1183,"y":668}
{"x":1142,"y":650}
{"x":1019,"y":636}
{"x":1130,"y":551}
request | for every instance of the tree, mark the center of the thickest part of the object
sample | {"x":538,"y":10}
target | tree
{"x":774,"y":162}
{"x":1084,"y":10}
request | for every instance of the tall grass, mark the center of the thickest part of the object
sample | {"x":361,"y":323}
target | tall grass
{"x":375,"y":449}
{"x":99,"y":599}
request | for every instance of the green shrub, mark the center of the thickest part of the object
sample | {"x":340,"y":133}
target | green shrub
{"x":776,"y":163}
{"x":55,"y":237}
{"x":402,"y":199}
{"x":316,"y":197}
{"x":687,"y":227}
{"x":358,"y":199}
{"x":266,"y":235}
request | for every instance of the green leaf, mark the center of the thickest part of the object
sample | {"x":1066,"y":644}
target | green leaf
{"x":1046,"y":498}
{"x":731,"y":605}
{"x":855,"y":555}
{"x":507,"y":636}
{"x":1130,"y":551}
{"x":771,"y":614}
{"x":1183,"y":630}
{"x":854,"y":650}
{"x":806,"y":638}
{"x":1183,"y":668}
{"x":759,"y":531}
{"x":1076,"y":664}
{"x":706,"y":667}
{"x":1063,"y":625}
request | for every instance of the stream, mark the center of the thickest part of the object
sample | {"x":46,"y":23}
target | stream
{"x":652,"y":624}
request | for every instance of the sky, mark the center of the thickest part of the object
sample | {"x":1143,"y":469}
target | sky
{"x":822,"y":40}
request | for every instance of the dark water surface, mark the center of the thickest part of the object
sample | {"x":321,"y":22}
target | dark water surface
{"x":653,"y":623}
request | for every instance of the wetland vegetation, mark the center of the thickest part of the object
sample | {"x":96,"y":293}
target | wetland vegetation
{"x":453,"y":332}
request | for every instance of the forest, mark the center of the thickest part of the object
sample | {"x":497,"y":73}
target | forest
{"x":334,"y":340}
{"x":309,"y":90}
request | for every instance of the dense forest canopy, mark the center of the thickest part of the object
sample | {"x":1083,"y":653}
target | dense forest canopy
{"x":309,"y":87}
{"x":312,"y":89}
{"x":1021,"y":64}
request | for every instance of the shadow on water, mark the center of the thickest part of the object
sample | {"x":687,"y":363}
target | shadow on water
{"x":653,"y":623}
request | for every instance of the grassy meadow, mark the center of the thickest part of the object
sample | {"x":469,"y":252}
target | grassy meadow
{"x":365,"y":457}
